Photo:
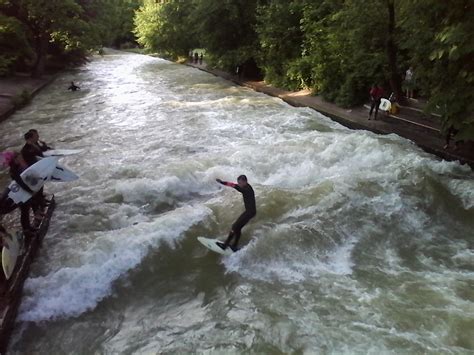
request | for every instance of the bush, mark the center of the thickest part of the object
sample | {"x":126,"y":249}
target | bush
{"x":22,"y":99}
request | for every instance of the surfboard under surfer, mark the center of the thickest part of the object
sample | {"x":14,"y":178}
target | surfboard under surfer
{"x":250,"y":211}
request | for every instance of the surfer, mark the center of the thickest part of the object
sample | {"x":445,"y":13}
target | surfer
{"x":30,"y":152}
{"x":41,"y":145}
{"x":17,"y":165}
{"x":73,"y":87}
{"x":250,"y":211}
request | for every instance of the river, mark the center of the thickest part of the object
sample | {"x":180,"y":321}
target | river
{"x":362,"y":243}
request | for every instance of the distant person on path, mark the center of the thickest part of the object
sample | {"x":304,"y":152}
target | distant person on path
{"x":250,"y":211}
{"x":200,"y":59}
{"x":191,"y":56}
{"x":409,"y":83}
{"x":238,"y":71}
{"x":73,"y":87}
{"x":196,"y":57}
{"x":394,"y":108}
{"x":376,"y":93}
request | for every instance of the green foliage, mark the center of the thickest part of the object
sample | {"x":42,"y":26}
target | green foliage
{"x":164,"y":27}
{"x":35,"y":30}
{"x":227,"y":31}
{"x":442,"y":53}
{"x":346,"y":46}
{"x":15,"y":47}
{"x":280,"y":35}
{"x":338,"y":48}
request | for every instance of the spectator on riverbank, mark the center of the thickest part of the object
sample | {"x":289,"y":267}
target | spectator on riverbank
{"x":196,"y":57}
{"x":376,"y":93}
{"x":73,"y":87}
{"x":200,"y":59}
{"x":409,"y":83}
{"x":238,"y":71}
{"x":394,"y":107}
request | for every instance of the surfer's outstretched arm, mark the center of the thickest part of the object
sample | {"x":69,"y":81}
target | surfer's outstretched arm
{"x":228,"y":183}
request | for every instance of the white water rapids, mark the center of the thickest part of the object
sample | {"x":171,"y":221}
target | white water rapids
{"x":361,"y":244}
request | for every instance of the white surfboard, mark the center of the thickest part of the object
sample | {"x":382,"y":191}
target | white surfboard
{"x":62,"y":174}
{"x":10,"y":254}
{"x":385,"y":105}
{"x":211,"y":245}
{"x":61,"y":152}
{"x":35,"y":177}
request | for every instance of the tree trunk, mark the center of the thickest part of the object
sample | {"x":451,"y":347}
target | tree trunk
{"x":395,"y":78}
{"x":41,"y":46}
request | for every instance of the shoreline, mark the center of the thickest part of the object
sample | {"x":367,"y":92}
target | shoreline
{"x":12,"y":88}
{"x":11,"y":295}
{"x":427,"y":138}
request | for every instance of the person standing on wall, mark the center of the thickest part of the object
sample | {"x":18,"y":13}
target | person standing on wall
{"x":376,"y":93}
{"x":409,"y":83}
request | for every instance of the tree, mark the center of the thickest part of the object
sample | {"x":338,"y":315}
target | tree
{"x":280,"y":38}
{"x":50,"y":21}
{"x":226,"y":29}
{"x":441,"y":49}
{"x":165,"y":27}
{"x":15,"y":47}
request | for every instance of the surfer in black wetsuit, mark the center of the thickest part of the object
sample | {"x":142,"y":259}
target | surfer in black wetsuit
{"x":31,"y":150}
{"x":250,"y":211}
{"x":41,"y":145}
{"x":73,"y":87}
{"x":17,"y":165}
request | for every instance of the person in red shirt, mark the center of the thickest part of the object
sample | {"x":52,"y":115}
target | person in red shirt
{"x":376,"y":93}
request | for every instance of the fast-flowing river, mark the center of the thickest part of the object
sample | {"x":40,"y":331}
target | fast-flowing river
{"x":361,"y":244}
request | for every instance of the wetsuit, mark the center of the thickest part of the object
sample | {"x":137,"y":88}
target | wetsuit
{"x":43,"y":146}
{"x":30,"y":152}
{"x":245,"y":217}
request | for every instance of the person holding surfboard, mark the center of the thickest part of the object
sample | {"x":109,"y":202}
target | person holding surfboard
{"x":376,"y":94}
{"x":30,"y":152}
{"x":250,"y":211}
{"x":17,"y":164}
{"x":41,"y":145}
